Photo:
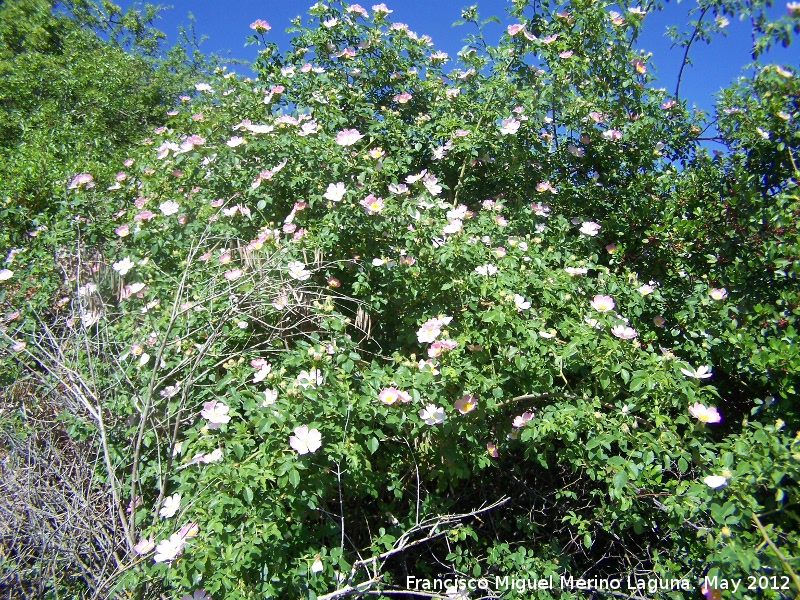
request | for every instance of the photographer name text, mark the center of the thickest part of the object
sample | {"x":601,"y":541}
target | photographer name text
{"x":564,"y":582}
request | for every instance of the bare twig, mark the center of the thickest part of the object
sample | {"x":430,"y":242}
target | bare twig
{"x":430,"y":529}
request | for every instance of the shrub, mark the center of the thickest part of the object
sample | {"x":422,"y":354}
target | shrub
{"x":377,"y":319}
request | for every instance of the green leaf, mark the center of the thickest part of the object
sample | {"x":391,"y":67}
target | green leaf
{"x":372,"y":445}
{"x":294,"y":477}
{"x":620,"y":479}
{"x":238,"y":450}
{"x":593,"y":443}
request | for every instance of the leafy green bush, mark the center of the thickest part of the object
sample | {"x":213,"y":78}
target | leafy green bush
{"x":80,"y":82}
{"x":371,"y":319}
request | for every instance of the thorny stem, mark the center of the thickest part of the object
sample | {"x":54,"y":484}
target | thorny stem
{"x":791,"y":158}
{"x":686,"y":52}
{"x":416,"y":469}
{"x":537,"y":397}
{"x":148,"y":402}
{"x":781,"y":557}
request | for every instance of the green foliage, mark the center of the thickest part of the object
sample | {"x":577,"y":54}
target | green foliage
{"x":371,"y":309}
{"x":78,"y":88}
{"x":80,"y":84}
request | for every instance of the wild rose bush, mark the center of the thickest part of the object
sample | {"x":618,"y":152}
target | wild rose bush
{"x":370,"y":297}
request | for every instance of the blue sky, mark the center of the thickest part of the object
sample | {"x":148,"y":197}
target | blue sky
{"x":226,"y":23}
